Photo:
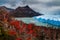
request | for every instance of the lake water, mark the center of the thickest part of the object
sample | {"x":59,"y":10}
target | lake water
{"x":44,"y":20}
{"x":31,"y":20}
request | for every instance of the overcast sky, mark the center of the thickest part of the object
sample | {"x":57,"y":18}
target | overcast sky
{"x":42,"y":6}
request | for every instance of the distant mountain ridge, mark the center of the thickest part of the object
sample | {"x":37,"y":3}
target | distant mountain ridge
{"x":7,"y":9}
{"x":25,"y":11}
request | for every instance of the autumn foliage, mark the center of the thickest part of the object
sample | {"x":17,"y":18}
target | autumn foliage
{"x":22,"y":31}
{"x":12,"y":32}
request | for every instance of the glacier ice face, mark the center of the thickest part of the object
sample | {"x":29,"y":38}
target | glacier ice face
{"x":51,"y":19}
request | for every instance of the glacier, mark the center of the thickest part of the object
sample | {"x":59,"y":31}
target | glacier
{"x":50,"y":19}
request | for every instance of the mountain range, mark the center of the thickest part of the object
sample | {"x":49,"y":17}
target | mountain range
{"x":25,"y":11}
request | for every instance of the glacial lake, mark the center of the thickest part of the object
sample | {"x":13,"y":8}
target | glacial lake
{"x":28,"y":20}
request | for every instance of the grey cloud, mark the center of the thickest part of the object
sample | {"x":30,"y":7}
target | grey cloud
{"x":55,"y":3}
{"x":31,"y":2}
{"x":10,"y":2}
